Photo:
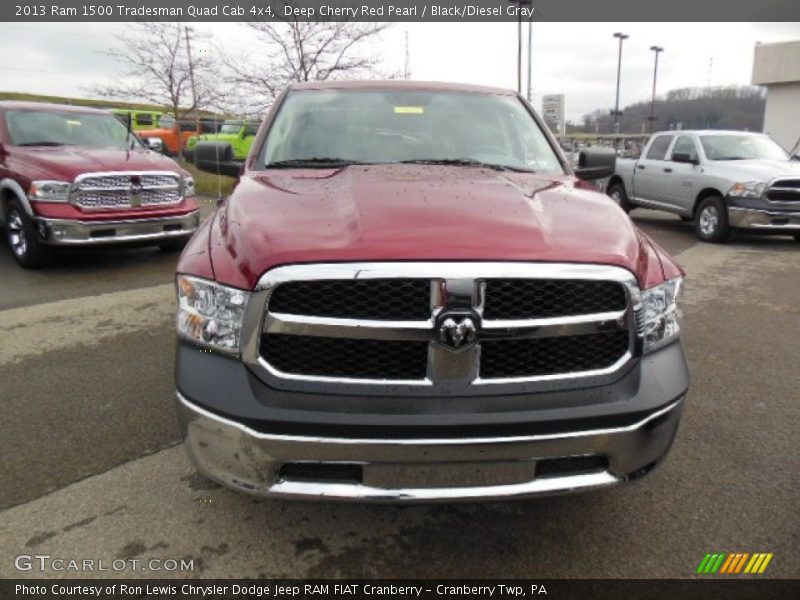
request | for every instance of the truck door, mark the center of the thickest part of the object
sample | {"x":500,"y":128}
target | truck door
{"x":651,"y":177}
{"x":683,"y":180}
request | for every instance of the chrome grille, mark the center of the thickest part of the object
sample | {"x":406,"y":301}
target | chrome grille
{"x":784,"y":190}
{"x":365,"y":325}
{"x":95,"y":191}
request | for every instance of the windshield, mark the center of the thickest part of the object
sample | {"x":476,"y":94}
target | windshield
{"x":741,"y":147}
{"x":230,"y":127}
{"x":39,"y":128}
{"x":345,"y":126}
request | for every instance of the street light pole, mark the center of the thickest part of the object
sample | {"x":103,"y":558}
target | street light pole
{"x":622,"y":37}
{"x":652,"y":118}
{"x":530,"y":52}
{"x":520,"y":4}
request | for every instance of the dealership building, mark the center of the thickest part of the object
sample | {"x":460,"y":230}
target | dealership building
{"x":777,"y":67}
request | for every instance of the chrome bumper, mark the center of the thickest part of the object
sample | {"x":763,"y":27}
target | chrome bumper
{"x":399,"y":470}
{"x":750,"y":218}
{"x":66,"y":232}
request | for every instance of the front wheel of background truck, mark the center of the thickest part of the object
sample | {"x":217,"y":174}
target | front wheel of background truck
{"x":618,"y":195}
{"x":28,"y":251}
{"x":173,"y":245}
{"x":711,"y":220}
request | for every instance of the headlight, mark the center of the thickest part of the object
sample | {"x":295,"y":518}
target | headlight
{"x":49,"y":191}
{"x":662,"y":313}
{"x":210,"y":314}
{"x":747,"y":189}
{"x":188,"y":187}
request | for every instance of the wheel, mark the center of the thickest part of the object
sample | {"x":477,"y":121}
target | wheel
{"x":618,"y":195}
{"x":711,"y":221}
{"x":28,"y":251}
{"x":797,"y":237}
{"x":173,"y":245}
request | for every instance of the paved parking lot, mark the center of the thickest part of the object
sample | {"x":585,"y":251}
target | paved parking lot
{"x":90,"y":467}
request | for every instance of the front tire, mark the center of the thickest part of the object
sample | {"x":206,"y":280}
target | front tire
{"x":711,"y":221}
{"x":618,"y":194}
{"x":797,"y":237}
{"x":173,"y":245}
{"x":28,"y":251}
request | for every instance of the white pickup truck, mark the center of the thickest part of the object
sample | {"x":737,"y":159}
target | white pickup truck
{"x":722,"y":180}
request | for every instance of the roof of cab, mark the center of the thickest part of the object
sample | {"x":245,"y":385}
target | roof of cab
{"x":48,"y":107}
{"x":401,"y":84}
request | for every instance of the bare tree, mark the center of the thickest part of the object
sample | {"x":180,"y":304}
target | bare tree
{"x":303,"y":51}
{"x":160,"y":70}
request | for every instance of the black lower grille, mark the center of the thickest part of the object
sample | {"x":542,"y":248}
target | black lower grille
{"x":346,"y":357}
{"x":786,"y":190}
{"x":382,"y":299}
{"x":571,"y":465}
{"x":547,"y":356}
{"x":542,"y":298}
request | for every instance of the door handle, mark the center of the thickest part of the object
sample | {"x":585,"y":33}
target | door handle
{"x":640,"y":167}
{"x":667,"y":170}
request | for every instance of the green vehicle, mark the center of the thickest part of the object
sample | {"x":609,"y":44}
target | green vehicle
{"x":237,"y":133}
{"x":140,"y":119}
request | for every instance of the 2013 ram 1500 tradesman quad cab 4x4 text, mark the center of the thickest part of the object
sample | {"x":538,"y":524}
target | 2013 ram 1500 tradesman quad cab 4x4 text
{"x":73,"y":176}
{"x":409,"y":297}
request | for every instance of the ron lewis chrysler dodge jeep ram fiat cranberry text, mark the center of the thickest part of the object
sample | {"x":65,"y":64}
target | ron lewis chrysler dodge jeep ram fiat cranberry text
{"x":410,"y":296}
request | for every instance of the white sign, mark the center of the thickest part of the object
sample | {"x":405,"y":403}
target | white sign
{"x":553,"y":112}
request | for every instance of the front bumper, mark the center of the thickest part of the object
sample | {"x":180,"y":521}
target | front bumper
{"x":423,"y":470}
{"x":764,"y":220}
{"x":69,"y":232}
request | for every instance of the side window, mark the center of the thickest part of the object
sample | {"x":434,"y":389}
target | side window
{"x":685,"y":145}
{"x":144,"y":119}
{"x":658,"y":148}
{"x":187,"y":125}
{"x":250,"y":129}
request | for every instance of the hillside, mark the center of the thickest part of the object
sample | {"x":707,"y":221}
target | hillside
{"x":731,"y":107}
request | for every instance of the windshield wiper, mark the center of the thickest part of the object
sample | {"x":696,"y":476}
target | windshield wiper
{"x":315,"y":162}
{"x":463,"y":162}
{"x":42,"y":143}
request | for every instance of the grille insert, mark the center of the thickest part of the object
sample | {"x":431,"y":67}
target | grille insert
{"x":785,"y":190}
{"x":381,"y":299}
{"x":553,"y":355}
{"x":346,"y":357}
{"x":542,"y":298}
{"x":116,"y":191}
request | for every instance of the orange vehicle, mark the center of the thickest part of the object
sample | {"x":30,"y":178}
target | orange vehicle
{"x":174,"y":134}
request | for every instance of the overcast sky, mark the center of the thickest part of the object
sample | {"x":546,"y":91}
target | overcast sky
{"x":576,"y":59}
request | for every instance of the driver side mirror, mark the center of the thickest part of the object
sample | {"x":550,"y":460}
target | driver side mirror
{"x":796,"y":157}
{"x":683,"y":157}
{"x":155,"y":144}
{"x":596,"y":163}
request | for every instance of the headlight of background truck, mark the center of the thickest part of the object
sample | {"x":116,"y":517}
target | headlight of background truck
{"x":747,"y":189}
{"x":210,"y":314}
{"x":662,"y":313}
{"x":49,"y":191}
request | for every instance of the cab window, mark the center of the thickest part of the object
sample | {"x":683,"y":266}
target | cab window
{"x":658,"y":147}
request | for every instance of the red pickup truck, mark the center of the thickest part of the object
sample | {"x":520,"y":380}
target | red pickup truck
{"x":409,"y":297}
{"x":73,"y":176}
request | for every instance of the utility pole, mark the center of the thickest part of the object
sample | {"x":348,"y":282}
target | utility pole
{"x":406,"y":73}
{"x":191,"y":79}
{"x":622,"y":37}
{"x":530,"y":52}
{"x":652,"y":118}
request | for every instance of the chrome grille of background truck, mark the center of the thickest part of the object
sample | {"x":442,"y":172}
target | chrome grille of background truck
{"x":114,"y":190}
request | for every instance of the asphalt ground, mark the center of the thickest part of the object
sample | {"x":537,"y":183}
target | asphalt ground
{"x":91,"y":468}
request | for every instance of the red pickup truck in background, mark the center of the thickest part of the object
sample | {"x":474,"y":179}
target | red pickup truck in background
{"x":74,"y":176}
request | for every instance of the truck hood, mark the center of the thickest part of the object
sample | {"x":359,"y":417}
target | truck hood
{"x":404,"y":212}
{"x":67,"y":162}
{"x":756,"y":170}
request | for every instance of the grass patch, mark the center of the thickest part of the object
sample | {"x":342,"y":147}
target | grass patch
{"x":209,"y":184}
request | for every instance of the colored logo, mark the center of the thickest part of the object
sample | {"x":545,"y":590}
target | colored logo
{"x":734,"y":563}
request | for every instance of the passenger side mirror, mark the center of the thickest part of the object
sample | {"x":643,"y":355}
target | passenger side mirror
{"x":217,"y":158}
{"x":682,"y":157}
{"x":596,"y":163}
